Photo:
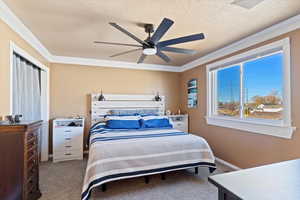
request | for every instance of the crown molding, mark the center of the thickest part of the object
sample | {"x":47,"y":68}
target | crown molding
{"x":273,"y":31}
{"x":7,"y":16}
{"x":16,"y":24}
{"x":113,"y":64}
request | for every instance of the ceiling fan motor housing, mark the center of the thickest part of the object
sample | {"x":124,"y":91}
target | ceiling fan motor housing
{"x":149,"y":28}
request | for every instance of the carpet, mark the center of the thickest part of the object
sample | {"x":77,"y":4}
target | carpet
{"x":63,"y":181}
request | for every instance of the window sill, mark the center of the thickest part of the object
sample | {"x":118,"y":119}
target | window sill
{"x":277,"y":130}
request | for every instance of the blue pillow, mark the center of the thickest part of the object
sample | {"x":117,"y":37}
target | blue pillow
{"x":123,"y":122}
{"x":156,"y":122}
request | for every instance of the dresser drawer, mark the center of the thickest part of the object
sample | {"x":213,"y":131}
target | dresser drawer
{"x":31,"y":152}
{"x":68,"y":146}
{"x":180,"y":126}
{"x":31,"y":162}
{"x":68,"y":130}
{"x":65,"y":138}
{"x":67,"y":155}
{"x":32,"y":142}
{"x":31,"y":188}
{"x":177,"y":125}
{"x":30,"y":135}
{"x":59,"y":144}
{"x":32,"y":171}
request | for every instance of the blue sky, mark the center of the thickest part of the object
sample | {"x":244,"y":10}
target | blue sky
{"x":261,"y":77}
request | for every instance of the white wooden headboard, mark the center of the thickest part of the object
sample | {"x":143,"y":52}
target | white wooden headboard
{"x":119,"y":101}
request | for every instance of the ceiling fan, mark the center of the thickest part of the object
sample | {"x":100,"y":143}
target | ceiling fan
{"x":152,"y":45}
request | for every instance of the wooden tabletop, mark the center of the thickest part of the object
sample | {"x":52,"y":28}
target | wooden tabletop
{"x":21,"y":123}
{"x":280,"y":181}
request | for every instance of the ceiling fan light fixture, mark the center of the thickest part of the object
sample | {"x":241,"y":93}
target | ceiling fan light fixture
{"x":150,"y":51}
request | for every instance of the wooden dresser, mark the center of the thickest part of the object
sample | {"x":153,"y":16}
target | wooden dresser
{"x":19,"y":161}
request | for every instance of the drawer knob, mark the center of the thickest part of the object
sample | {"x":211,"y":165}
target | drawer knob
{"x":68,"y":131}
{"x":68,"y":146}
{"x":68,"y":138}
{"x":68,"y":154}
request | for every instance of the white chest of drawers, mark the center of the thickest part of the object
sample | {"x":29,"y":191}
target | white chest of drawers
{"x":67,"y":139}
{"x":180,"y":122}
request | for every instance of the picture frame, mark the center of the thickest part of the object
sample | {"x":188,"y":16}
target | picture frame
{"x":192,"y":90}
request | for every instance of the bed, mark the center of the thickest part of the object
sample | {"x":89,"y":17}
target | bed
{"x":116,"y":154}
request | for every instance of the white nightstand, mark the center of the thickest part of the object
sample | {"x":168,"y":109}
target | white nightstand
{"x":180,"y":122}
{"x":67,"y":139}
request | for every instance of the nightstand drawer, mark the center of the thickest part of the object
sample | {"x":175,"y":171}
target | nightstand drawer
{"x":67,"y":155}
{"x":68,"y":130}
{"x":179,"y":122}
{"x":67,"y":147}
{"x":180,"y":126}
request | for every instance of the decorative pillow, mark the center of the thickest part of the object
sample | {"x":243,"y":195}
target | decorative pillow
{"x":123,"y":122}
{"x":156,"y":122}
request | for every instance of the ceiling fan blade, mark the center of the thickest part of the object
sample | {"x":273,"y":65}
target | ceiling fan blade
{"x":142,"y":58}
{"x":128,"y":33}
{"x":163,"y":56}
{"x":119,"y":44}
{"x":178,"y":50}
{"x":161,"y":30}
{"x":184,"y":39}
{"x":125,"y":52}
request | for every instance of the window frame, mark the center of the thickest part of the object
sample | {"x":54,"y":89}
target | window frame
{"x":280,"y":128}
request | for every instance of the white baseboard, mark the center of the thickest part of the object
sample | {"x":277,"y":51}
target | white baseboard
{"x":227,"y":164}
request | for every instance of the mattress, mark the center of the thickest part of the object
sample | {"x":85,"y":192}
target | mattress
{"x":119,"y":154}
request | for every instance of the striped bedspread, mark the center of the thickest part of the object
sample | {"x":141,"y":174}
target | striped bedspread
{"x":120,"y":154}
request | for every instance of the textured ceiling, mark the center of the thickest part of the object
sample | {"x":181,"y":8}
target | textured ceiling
{"x":68,"y":28}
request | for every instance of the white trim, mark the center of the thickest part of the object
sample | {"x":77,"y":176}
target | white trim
{"x":253,"y":127}
{"x":114,"y":64}
{"x":45,"y":99}
{"x":273,"y":31}
{"x":15,"y":48}
{"x":227,"y":164}
{"x":281,"y":128}
{"x":16,"y":24}
{"x":280,"y":44}
{"x":11,"y":82}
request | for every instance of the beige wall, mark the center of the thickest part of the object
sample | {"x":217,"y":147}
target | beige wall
{"x":242,"y":148}
{"x":7,"y":35}
{"x":71,"y":85}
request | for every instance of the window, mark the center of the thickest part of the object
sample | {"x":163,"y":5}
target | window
{"x":251,"y":91}
{"x":263,"y":87}
{"x":229,"y":91}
